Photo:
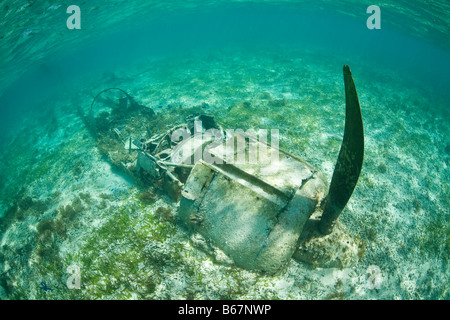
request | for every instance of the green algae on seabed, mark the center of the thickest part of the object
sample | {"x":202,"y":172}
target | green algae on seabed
{"x":133,"y":255}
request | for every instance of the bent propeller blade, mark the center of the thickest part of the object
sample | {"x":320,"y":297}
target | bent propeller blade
{"x":350,"y":159}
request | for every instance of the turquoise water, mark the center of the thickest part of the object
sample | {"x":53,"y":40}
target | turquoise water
{"x":63,"y":204}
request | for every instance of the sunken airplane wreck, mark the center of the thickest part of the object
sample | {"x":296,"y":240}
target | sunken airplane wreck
{"x":257,"y":215}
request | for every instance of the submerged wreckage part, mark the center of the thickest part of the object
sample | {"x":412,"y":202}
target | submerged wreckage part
{"x":350,"y":159}
{"x":325,"y":241}
{"x":255,"y":214}
{"x":259,"y":214}
{"x":338,"y":249}
{"x":123,"y":102}
{"x":118,"y":113}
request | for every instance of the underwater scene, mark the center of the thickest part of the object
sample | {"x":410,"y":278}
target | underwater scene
{"x":224,"y":150}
